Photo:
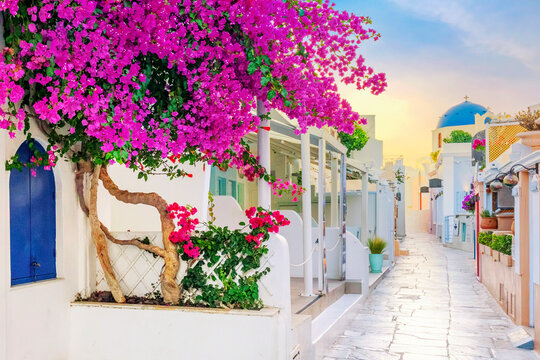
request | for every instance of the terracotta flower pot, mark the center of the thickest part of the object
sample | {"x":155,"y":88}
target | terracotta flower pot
{"x":488,"y":223}
{"x":530,"y":139}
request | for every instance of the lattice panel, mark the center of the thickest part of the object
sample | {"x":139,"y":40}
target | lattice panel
{"x":137,"y":271}
{"x":501,"y":137}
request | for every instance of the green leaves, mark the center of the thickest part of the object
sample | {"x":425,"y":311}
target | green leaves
{"x":252,"y":67}
{"x":236,"y":265}
{"x":271,"y":94}
{"x":355,"y":141}
{"x":265,"y":80}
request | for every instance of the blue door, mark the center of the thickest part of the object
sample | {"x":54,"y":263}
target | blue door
{"x":32,"y":207}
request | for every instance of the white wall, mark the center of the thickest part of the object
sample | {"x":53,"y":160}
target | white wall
{"x":357,"y":262}
{"x":143,"y":333}
{"x":184,"y":191}
{"x":34,"y":322}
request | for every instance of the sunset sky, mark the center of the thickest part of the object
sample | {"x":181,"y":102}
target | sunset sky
{"x":436,"y":52}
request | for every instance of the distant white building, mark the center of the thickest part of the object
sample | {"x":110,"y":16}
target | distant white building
{"x":452,"y":175}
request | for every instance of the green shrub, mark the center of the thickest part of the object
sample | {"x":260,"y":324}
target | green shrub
{"x":376,"y":245}
{"x":458,"y":136}
{"x":355,"y":141}
{"x":502,"y":243}
{"x":485,"y":238}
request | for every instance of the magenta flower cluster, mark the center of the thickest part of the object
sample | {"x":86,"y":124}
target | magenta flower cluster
{"x":479,"y":144}
{"x":469,"y":202}
{"x":263,"y":222}
{"x":89,"y":63}
{"x":185,"y":225}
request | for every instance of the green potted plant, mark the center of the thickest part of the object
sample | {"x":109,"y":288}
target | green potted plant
{"x":488,"y":221}
{"x":376,"y":247}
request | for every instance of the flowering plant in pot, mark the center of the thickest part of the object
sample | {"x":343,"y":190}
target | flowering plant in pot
{"x":468,"y":202}
{"x":376,"y":247}
{"x":530,"y":120}
{"x":487,"y":221}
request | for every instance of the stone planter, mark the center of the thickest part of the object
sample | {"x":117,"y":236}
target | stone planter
{"x":507,"y":260}
{"x":530,"y":139}
{"x":482,"y":248}
{"x":488,"y":223}
{"x":113,"y":331}
{"x":496,"y":256}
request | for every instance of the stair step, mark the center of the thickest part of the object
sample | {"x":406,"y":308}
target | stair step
{"x":521,"y":339}
{"x":331,"y":315}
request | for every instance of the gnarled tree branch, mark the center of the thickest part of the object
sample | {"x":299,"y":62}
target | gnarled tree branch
{"x":99,"y":240}
{"x":169,"y":285}
{"x":148,"y":247}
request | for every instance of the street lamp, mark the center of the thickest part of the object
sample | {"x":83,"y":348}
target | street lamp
{"x":496,"y":185}
{"x":509,"y":178}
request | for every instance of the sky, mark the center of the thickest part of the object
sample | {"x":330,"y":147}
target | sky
{"x":434,"y":53}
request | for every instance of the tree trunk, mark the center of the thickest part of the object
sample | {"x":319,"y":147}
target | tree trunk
{"x":100,"y":241}
{"x":169,"y":284}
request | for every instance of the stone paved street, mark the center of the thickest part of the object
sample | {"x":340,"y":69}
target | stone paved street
{"x":430,"y":306}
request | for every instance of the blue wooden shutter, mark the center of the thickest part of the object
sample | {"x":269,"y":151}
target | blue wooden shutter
{"x":32,"y":222}
{"x":43,"y":218}
{"x":19,"y":205}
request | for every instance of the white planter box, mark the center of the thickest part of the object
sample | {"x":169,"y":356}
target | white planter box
{"x":124,"y":331}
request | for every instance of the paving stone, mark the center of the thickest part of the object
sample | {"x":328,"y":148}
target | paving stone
{"x":429,"y":307}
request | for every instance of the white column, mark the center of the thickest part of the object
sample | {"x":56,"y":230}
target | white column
{"x":323,"y":284}
{"x":204,"y":207}
{"x":343,"y":216}
{"x":334,"y":193}
{"x":379,"y":215}
{"x":263,"y":151}
{"x":365,"y":206}
{"x":306,"y":215}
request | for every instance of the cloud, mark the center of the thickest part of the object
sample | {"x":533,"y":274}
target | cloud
{"x":487,"y":26}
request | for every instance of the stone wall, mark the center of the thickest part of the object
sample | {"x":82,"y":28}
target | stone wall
{"x":502,"y":281}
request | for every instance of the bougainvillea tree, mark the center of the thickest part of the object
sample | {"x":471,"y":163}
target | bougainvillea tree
{"x":151,"y":84}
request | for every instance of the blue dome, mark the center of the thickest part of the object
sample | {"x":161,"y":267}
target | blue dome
{"x":461,"y":114}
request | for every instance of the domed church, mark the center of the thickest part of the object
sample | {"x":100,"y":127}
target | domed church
{"x":452,"y":173}
{"x":466,"y":116}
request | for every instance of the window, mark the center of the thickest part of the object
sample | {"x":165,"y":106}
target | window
{"x":32,"y":207}
{"x":222,"y":186}
{"x":233,"y":189}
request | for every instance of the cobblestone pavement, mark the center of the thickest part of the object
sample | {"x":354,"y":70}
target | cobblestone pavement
{"x":429,"y":307}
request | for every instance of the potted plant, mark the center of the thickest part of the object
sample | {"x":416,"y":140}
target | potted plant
{"x":530,"y":120}
{"x":376,"y":247}
{"x":488,"y":221}
{"x":468,"y":203}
